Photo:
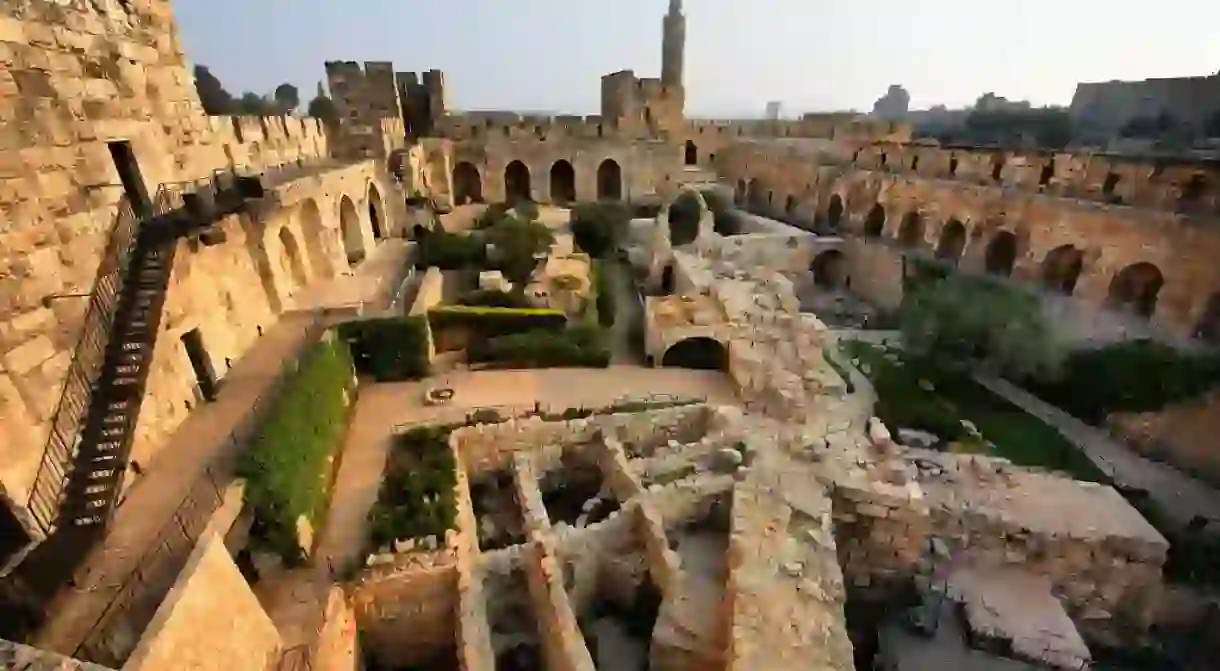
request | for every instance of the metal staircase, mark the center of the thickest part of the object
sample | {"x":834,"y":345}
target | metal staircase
{"x":83,"y":467}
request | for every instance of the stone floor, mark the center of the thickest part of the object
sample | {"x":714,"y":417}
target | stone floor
{"x":371,"y":283}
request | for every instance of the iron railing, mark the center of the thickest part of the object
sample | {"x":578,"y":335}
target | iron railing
{"x":136,"y":598}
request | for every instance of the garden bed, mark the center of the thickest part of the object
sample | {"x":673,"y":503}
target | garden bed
{"x":912,"y":395}
{"x":416,"y":499}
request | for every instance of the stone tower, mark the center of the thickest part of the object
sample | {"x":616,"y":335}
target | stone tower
{"x":673,"y":45}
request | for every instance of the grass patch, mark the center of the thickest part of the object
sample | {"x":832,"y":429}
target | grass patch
{"x":416,"y":497}
{"x":916,"y":396}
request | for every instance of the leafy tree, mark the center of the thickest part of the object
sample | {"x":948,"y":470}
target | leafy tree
{"x":519,"y":245}
{"x":252,"y":104}
{"x":322,"y":107}
{"x":962,"y":320}
{"x":727,"y":220}
{"x":212,"y":94}
{"x":598,"y":228}
{"x":287,"y":97}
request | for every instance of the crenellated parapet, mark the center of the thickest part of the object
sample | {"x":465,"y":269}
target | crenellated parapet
{"x":256,"y":143}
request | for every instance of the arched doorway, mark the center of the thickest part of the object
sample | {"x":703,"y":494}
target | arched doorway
{"x":563,"y":182}
{"x":756,"y":196}
{"x":1208,"y":329}
{"x":517,"y":182}
{"x":309,"y":221}
{"x":739,"y":193}
{"x":698,"y":353}
{"x":834,"y":212}
{"x":1001,"y":254}
{"x":829,"y":270}
{"x":667,"y":280}
{"x":790,"y":207}
{"x":692,"y":153}
{"x":952,"y":242}
{"x":609,"y":180}
{"x":467,"y":184}
{"x":353,"y":236}
{"x":874,"y":223}
{"x":1061,"y":269}
{"x":376,"y":212}
{"x":292,"y":259}
{"x":910,"y":234}
{"x":1135,"y":288}
{"x":684,"y":215}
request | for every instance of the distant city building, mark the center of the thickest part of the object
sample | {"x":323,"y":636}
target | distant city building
{"x":773,"y":110}
{"x":894,"y":104}
{"x":990,"y":102}
{"x":1110,"y":105}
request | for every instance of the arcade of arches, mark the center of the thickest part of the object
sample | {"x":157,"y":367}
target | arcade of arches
{"x":376,"y":212}
{"x":1001,"y":254}
{"x":1061,"y":269}
{"x":563,"y":182}
{"x":952,"y":242}
{"x":309,"y":221}
{"x":1134,"y":289}
{"x":910,"y":234}
{"x":697,"y":353}
{"x":349,"y":226}
{"x":292,"y":261}
{"x":517,"y":182}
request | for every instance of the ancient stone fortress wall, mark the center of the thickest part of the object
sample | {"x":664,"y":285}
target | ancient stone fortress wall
{"x":999,"y":217}
{"x":931,"y":512}
{"x":257,"y":143}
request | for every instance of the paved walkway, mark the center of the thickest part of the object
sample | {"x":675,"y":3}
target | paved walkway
{"x":152,"y":500}
{"x":373,"y":282}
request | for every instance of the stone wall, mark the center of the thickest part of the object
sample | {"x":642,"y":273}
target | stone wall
{"x":209,"y":621}
{"x":562,"y":644}
{"x":18,"y":657}
{"x":255,"y":143}
{"x":406,"y":617}
{"x":338,"y":645}
{"x":981,"y":220}
{"x":1183,"y":434}
{"x":875,"y":272}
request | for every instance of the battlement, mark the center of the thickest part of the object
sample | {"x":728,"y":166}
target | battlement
{"x":503,"y":125}
{"x":833,"y":126}
{"x":261,"y":142}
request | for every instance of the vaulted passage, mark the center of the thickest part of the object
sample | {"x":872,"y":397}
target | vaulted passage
{"x":1061,"y":269}
{"x":517,"y":182}
{"x":1001,"y":254}
{"x":1135,"y":288}
{"x":910,"y":234}
{"x":376,"y":213}
{"x":692,"y":153}
{"x":292,"y":259}
{"x":609,"y":180}
{"x":834,"y":213}
{"x":952,"y":242}
{"x":874,"y":224}
{"x":697,"y":353}
{"x":563,"y":182}
{"x":467,"y":184}
{"x":349,"y":225}
{"x":309,"y":221}
{"x":830,"y":269}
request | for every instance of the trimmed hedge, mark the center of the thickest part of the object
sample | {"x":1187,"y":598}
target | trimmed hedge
{"x":451,"y":251}
{"x":493,"y":298}
{"x":391,"y":349}
{"x":598,"y":228}
{"x":1133,"y":376}
{"x":416,"y":497}
{"x":577,"y":346}
{"x":458,"y":326}
{"x":286,"y":466}
{"x":602,"y":286}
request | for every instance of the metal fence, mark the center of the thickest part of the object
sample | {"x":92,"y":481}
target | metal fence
{"x":135,"y":599}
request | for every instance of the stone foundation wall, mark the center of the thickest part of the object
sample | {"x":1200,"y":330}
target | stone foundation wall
{"x":562,"y":643}
{"x":407,"y":617}
{"x":20,"y":657}
{"x":338,"y":646}
{"x":1183,"y":434}
{"x":874,"y":273}
{"x":209,"y":621}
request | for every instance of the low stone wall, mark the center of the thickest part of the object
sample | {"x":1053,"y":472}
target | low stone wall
{"x":489,"y":447}
{"x":875,"y":272}
{"x":562,"y":643}
{"x":474,"y":647}
{"x":18,"y":657}
{"x":209,"y":620}
{"x":409,"y":616}
{"x":1183,"y":434}
{"x":1097,"y":551}
{"x":338,"y":647}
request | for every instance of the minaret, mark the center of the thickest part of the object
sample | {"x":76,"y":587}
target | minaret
{"x":673,"y":45}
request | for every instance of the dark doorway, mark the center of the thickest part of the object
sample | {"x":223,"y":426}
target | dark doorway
{"x":517,"y":182}
{"x":911,"y":233}
{"x":129,"y":174}
{"x":563,"y":183}
{"x":1001,"y":254}
{"x":667,"y":281}
{"x":467,"y":184}
{"x":609,"y":180}
{"x":1061,"y":269}
{"x":692,"y":153}
{"x":697,"y":353}
{"x":874,"y":224}
{"x":835,"y":212}
{"x":198,"y":354}
{"x":375,"y":213}
{"x":952,"y":242}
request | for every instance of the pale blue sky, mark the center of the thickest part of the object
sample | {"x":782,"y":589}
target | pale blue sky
{"x":811,"y":54}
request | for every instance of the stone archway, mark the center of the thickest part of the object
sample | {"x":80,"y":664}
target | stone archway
{"x":517,"y":182}
{"x":309,"y":221}
{"x":376,"y":212}
{"x":467,"y":183}
{"x":756,"y":196}
{"x":874,"y":223}
{"x":1135,"y":288}
{"x":1208,"y":329}
{"x":609,"y":180}
{"x":698,"y":353}
{"x":291,"y":257}
{"x":829,"y":270}
{"x":834,"y":211}
{"x":952,"y":242}
{"x":1001,"y":254}
{"x":910,"y":234}
{"x":563,"y":182}
{"x":691,"y":154}
{"x":353,"y":235}
{"x":1061,"y":269}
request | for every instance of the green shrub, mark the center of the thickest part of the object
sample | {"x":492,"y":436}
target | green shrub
{"x":527,"y":210}
{"x":519,"y":245}
{"x":416,"y":497}
{"x":451,"y":251}
{"x":391,"y":349}
{"x":1134,"y":376}
{"x":726,"y":218}
{"x":492,"y":215}
{"x":493,"y":298}
{"x":684,"y":215}
{"x":598,"y":228}
{"x":602,"y":286}
{"x":457,"y":327}
{"x":286,"y":466}
{"x":577,"y":346}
